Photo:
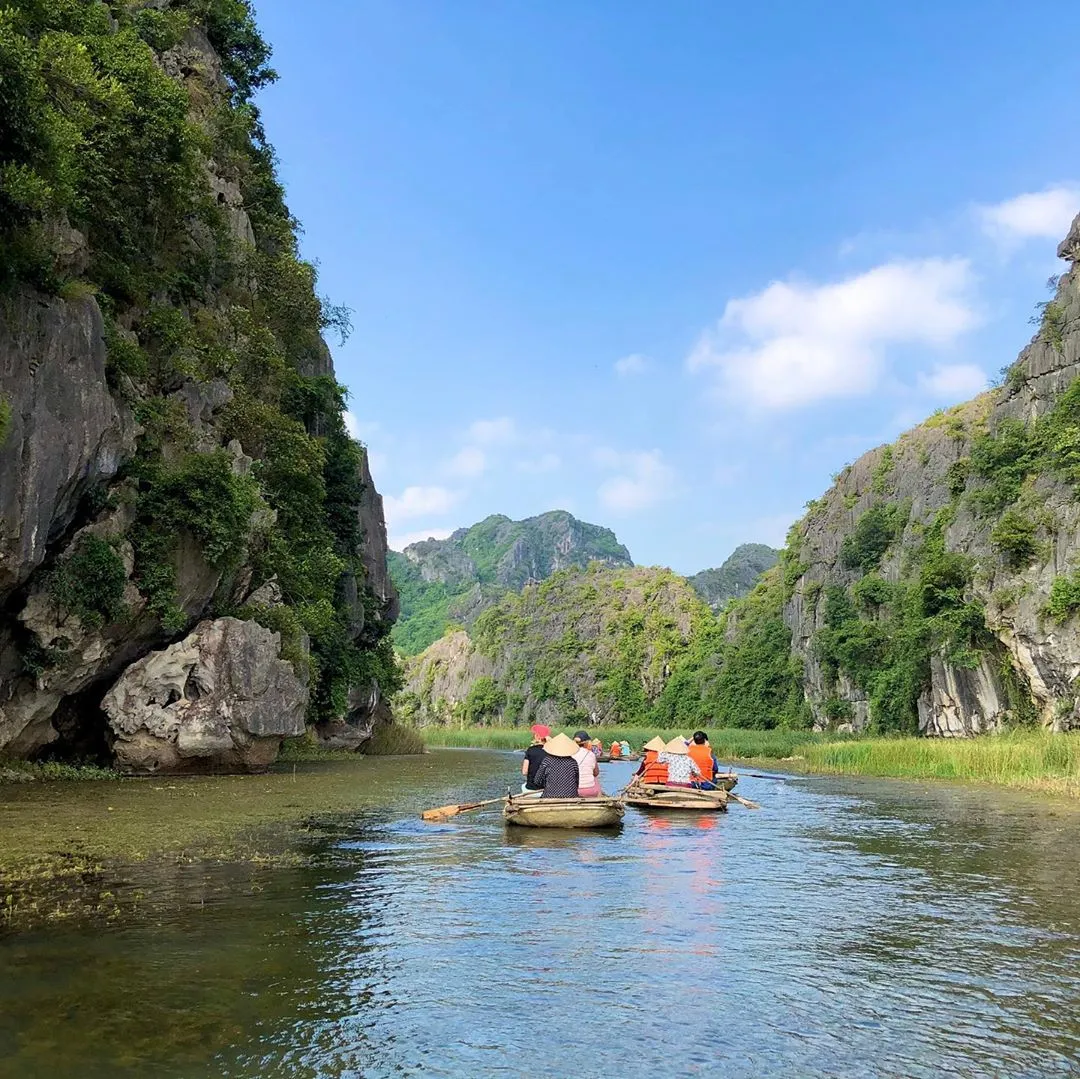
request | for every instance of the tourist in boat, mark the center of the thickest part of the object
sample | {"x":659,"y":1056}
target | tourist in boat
{"x":700,"y":752}
{"x":682,"y":771}
{"x":624,"y":745}
{"x":651,"y":770}
{"x":558,"y":773}
{"x":534,"y":755}
{"x":616,"y":751}
{"x":589,"y":778}
{"x":597,"y":747}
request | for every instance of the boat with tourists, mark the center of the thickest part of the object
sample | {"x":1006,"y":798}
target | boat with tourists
{"x":602,"y":812}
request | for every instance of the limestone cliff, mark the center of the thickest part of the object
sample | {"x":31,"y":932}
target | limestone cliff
{"x":586,"y":647}
{"x":172,"y":448}
{"x":739,"y":573}
{"x":936,"y":585}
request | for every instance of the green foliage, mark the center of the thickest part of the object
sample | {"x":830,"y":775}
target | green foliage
{"x":1014,"y":538}
{"x":1051,"y":320}
{"x":888,"y":654}
{"x":201,"y":497}
{"x":1064,"y":599}
{"x":875,"y":531}
{"x":90,"y":582}
{"x":485,"y":699}
{"x":879,"y":480}
{"x":956,"y":476}
{"x":1002,"y":460}
{"x":5,"y":419}
{"x":95,"y":131}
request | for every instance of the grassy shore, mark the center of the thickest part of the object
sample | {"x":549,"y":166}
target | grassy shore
{"x":1032,"y":760}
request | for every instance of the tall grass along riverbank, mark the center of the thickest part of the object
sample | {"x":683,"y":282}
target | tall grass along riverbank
{"x":1029,"y":759}
{"x":1032,"y":760}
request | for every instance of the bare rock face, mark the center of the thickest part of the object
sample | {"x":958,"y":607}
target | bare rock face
{"x":221,"y":700}
{"x":67,"y":432}
{"x":925,"y":471}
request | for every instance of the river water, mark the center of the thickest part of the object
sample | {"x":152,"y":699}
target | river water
{"x":848,"y":928}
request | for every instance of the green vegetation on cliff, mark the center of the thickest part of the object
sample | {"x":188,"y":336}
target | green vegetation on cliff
{"x":448,"y":582}
{"x":134,"y":169}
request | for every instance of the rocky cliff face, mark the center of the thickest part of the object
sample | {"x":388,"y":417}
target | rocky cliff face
{"x":454,"y":580}
{"x":583,"y":647}
{"x":171,"y":438}
{"x":935,"y":585}
{"x":740,"y":572}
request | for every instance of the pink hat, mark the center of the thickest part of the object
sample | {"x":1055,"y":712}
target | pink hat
{"x":540,"y":730}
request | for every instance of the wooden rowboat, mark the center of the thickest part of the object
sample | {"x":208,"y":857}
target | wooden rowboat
{"x":564,"y":812}
{"x":726,"y":780}
{"x":654,"y":796}
{"x":607,"y":758}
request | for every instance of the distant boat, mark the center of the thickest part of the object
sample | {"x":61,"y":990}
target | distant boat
{"x":564,"y":812}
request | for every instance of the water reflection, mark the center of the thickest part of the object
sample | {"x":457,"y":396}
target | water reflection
{"x":849,"y":928}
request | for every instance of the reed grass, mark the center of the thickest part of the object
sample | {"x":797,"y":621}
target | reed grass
{"x":12,"y":771}
{"x":1035,"y":760}
{"x":394,"y":740}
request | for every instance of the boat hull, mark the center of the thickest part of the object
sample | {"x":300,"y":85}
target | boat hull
{"x":657,"y":797}
{"x":564,"y":812}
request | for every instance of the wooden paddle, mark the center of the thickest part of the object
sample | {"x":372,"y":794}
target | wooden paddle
{"x":743,"y":801}
{"x":446,"y":812}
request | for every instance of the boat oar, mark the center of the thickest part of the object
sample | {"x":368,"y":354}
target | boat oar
{"x":446,"y":812}
{"x":743,"y":801}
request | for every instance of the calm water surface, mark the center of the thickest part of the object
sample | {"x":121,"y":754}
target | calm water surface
{"x":849,"y":928}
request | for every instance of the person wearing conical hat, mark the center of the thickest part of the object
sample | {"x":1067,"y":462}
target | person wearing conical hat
{"x":557,"y":775}
{"x":681,"y":767}
{"x":650,"y":771}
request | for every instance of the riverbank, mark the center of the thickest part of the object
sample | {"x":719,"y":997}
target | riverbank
{"x":1023,"y":760}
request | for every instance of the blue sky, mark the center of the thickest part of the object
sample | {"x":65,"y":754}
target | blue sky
{"x":667,"y":265}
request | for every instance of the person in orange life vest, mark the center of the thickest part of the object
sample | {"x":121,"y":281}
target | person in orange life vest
{"x":702,"y":755}
{"x":682,"y":770}
{"x":650,"y":770}
{"x":588,"y":768}
{"x":616,"y":751}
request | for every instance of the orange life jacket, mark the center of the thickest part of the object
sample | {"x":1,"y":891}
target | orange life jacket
{"x":654,"y":772}
{"x":702,"y":757}
{"x":616,"y":750}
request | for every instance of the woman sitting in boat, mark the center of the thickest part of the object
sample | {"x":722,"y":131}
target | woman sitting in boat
{"x":682,"y":771}
{"x":616,"y":751}
{"x":557,"y":775}
{"x":651,"y":770}
{"x":589,"y":769}
{"x":701,"y":754}
{"x":534,"y":755}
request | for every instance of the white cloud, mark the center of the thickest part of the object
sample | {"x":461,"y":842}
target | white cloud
{"x":955,"y":382}
{"x":1035,"y":215}
{"x":643,"y":480}
{"x":361,"y":429}
{"x":419,"y":502}
{"x":631,"y":365}
{"x":400,"y":542}
{"x":547,"y":462}
{"x":490,"y":432}
{"x":792,"y":344}
{"x":467,"y":463}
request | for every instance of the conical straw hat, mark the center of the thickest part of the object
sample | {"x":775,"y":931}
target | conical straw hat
{"x":561,"y":746}
{"x":676,"y":745}
{"x":658,"y":744}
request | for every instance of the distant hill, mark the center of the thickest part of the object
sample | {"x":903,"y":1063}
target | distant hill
{"x":585,"y":647}
{"x":442,"y":582}
{"x":736,"y":577}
